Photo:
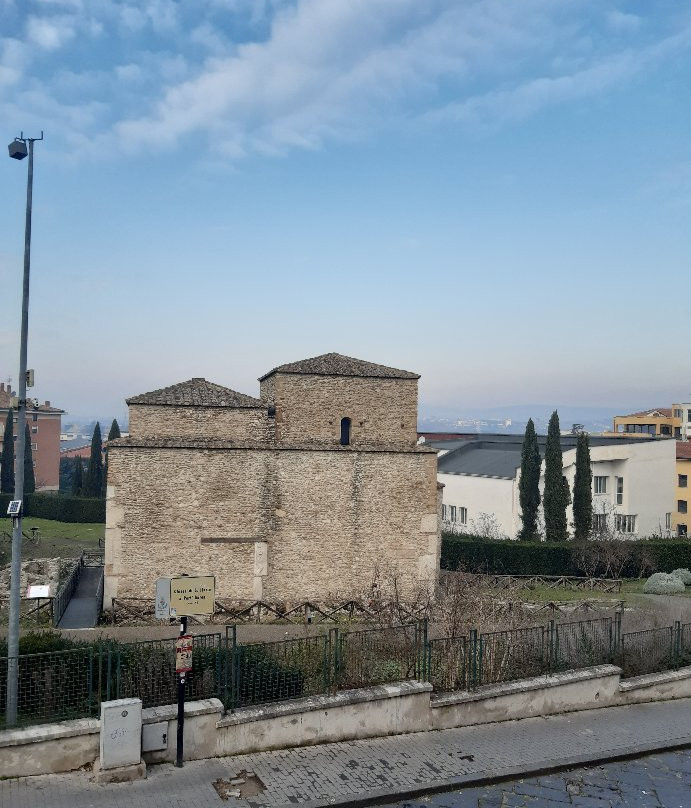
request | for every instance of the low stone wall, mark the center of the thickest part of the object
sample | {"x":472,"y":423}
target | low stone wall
{"x":370,"y":712}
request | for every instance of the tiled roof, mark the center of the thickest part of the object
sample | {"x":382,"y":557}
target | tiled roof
{"x":684,"y":450}
{"x":335,"y":364}
{"x":196,"y":393}
{"x":665,"y":412}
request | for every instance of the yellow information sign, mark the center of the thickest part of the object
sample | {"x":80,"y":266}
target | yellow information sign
{"x":192,"y":595}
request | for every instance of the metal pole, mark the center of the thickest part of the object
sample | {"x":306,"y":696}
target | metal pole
{"x":181,"y":704}
{"x":13,"y":631}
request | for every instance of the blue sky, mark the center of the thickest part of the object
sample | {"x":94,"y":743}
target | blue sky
{"x":494,"y":194}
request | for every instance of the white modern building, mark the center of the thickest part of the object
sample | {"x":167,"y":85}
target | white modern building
{"x":633,"y":483}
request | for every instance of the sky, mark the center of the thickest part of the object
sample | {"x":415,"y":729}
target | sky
{"x":495,"y":194}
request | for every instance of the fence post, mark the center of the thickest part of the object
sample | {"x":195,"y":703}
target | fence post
{"x":552,"y":649}
{"x":336,"y":650}
{"x":234,"y":677}
{"x":474,"y":659}
{"x":421,"y":632}
{"x":677,"y":642}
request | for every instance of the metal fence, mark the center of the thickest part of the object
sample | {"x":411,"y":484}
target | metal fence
{"x":72,"y":683}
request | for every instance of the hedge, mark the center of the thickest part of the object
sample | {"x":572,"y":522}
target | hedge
{"x":60,"y":508}
{"x":503,"y":557}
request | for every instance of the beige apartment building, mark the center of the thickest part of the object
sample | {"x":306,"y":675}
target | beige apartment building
{"x":299,"y":494}
{"x":44,"y":427}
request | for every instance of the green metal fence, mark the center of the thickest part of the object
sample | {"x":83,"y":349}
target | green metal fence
{"x":655,"y":649}
{"x":72,"y":683}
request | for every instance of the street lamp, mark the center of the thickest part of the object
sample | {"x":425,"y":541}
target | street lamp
{"x":20,"y":148}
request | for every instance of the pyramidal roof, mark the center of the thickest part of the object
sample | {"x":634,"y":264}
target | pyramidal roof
{"x":335,"y":364}
{"x":196,"y":393}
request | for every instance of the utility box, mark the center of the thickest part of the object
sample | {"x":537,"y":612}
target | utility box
{"x":155,"y":736}
{"x":121,"y":733}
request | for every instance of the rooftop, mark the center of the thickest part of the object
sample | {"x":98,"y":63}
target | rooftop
{"x":657,"y":412}
{"x":684,"y":450}
{"x":335,"y":364}
{"x":5,"y":402}
{"x":196,"y":392}
{"x":500,"y":455}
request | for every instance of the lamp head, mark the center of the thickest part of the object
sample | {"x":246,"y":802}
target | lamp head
{"x":17,"y":149}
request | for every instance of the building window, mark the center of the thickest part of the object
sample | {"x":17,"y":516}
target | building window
{"x":452,"y":517}
{"x":624,"y":523}
{"x":678,"y":413}
{"x":345,"y":431}
{"x":668,"y":521}
{"x":683,"y":481}
{"x":463,"y":516}
{"x":34,"y":447}
{"x":445,"y":513}
{"x":34,"y":429}
{"x":600,"y":484}
{"x":688,"y":415}
{"x":681,"y":505}
{"x":620,"y":490}
{"x":34,"y":416}
{"x":677,"y":432}
{"x":599,"y":522}
{"x":681,"y":530}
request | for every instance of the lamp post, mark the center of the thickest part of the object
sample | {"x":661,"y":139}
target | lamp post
{"x":19,"y":149}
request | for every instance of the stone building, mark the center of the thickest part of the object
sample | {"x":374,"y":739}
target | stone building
{"x":298,"y":494}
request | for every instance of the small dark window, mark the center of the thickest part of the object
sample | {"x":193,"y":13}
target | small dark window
{"x":681,"y":506}
{"x":683,"y":481}
{"x":34,"y":416}
{"x":345,"y":431}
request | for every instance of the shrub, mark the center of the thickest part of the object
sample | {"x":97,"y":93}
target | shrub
{"x":60,"y":508}
{"x":684,"y":576}
{"x":629,"y":559}
{"x":660,"y":583}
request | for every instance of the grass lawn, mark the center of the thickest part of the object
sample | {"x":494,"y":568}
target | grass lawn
{"x":56,"y":539}
{"x":631,"y":590}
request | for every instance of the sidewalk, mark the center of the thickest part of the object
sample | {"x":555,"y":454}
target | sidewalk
{"x":383,"y":769}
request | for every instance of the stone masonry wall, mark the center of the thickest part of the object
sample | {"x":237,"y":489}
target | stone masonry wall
{"x":278,"y":524}
{"x":223,"y":423}
{"x":309,"y":409}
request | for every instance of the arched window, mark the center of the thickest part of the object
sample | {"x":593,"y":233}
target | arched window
{"x":345,"y":431}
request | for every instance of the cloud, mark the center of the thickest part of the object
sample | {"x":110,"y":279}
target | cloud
{"x":269,"y":76}
{"x":529,"y":97}
{"x":335,"y":66}
{"x":619,"y":21}
{"x":49,"y":34}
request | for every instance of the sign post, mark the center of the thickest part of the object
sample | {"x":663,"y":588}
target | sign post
{"x":182,"y":596}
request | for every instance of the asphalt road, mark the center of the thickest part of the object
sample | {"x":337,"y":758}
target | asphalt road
{"x":653,"y":781}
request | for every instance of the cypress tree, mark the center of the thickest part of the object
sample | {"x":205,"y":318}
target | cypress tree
{"x":78,"y":477}
{"x":93,"y":485}
{"x":583,"y":490}
{"x":112,"y":435}
{"x":556,"y":492}
{"x":7,"y":478}
{"x":529,"y":487}
{"x":29,"y":477}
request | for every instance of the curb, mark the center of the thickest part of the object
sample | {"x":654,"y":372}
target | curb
{"x":489,"y":776}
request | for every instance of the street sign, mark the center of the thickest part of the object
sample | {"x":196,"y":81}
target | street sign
{"x":38,"y":591}
{"x":14,"y":508}
{"x":192,"y":595}
{"x":183,"y":653}
{"x":162,"y":603}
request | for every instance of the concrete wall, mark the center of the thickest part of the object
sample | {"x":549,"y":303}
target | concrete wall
{"x":370,"y":712}
{"x":491,"y":495}
{"x":648,"y":469}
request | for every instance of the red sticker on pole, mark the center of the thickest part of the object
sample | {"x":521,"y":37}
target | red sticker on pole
{"x":183,"y":654}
